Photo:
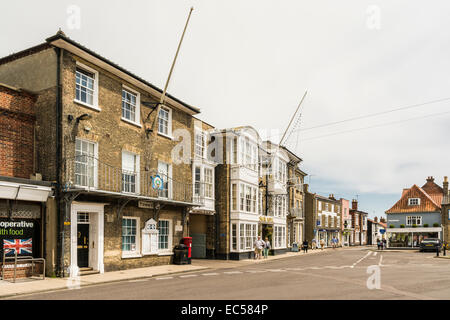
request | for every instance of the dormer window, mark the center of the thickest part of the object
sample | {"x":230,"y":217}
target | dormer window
{"x":413,"y":201}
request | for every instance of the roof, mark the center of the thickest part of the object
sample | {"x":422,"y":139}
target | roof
{"x":56,"y":39}
{"x":428,"y":203}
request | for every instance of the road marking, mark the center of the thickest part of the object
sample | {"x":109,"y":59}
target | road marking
{"x":276,"y":270}
{"x":163,"y":278}
{"x":381,"y":259}
{"x":210,"y":274}
{"x":255,"y":271}
{"x":138,"y":280}
{"x":375,"y":253}
{"x":368,"y":254}
{"x":232,"y":272}
{"x":189,"y":276}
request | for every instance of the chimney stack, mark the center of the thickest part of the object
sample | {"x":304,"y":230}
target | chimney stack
{"x":430,"y":179}
{"x":445,"y":184}
{"x":354,"y":204}
{"x":305,"y":186}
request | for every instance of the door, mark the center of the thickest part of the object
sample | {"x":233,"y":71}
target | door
{"x":198,"y":245}
{"x":83,"y":245}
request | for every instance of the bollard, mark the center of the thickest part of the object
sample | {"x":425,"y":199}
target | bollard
{"x":437,"y":251}
{"x":445,"y":247}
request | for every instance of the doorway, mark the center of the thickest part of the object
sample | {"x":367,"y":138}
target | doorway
{"x":83,"y":245}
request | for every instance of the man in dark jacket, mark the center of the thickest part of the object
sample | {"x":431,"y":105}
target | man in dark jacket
{"x":305,"y":246}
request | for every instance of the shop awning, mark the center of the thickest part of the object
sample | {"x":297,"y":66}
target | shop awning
{"x":413,"y":230}
{"x":25,"y":192}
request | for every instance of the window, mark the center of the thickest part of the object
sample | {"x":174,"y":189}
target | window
{"x":200,"y":144}
{"x":208,"y":183}
{"x":234,"y":149}
{"x":83,"y":217}
{"x":280,"y":236}
{"x":233,"y":197}
{"x":254,"y":191}
{"x":130,"y":172}
{"x":164,"y":121}
{"x":241,"y":236}
{"x":233,"y":236}
{"x":85,"y":163}
{"x":165,"y":237}
{"x":242,"y":197}
{"x":130,"y":234}
{"x":242,"y":152}
{"x":197,"y":181}
{"x":130,"y":105}
{"x":84,"y":86}
{"x":165,"y":171}
{"x":320,"y":204}
{"x":260,"y":203}
{"x":414,"y":220}
{"x":413,"y":201}
{"x":248,"y":198}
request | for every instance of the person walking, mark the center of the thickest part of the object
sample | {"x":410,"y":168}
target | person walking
{"x":322,"y":244}
{"x":313,"y":244}
{"x":384,"y":244}
{"x":267,"y":247}
{"x":258,"y":247}
{"x":305,"y":246}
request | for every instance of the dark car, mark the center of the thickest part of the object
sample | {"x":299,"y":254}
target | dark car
{"x":430,"y":244}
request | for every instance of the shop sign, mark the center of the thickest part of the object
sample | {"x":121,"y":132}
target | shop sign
{"x":145,"y":204}
{"x":17,"y":236}
{"x":265,"y":219}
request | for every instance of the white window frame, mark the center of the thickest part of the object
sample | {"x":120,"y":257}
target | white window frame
{"x":411,"y":200}
{"x":411,"y":219}
{"x":168,"y":250}
{"x":137,"y":252}
{"x":211,"y":183}
{"x":169,"y":173}
{"x":137,"y":113}
{"x":93,"y":106}
{"x":137,"y":172}
{"x":234,"y":197}
{"x":169,"y":123}
{"x":95,"y":186}
{"x":202,"y":134}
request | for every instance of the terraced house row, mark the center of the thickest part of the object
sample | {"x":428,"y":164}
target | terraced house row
{"x":112,"y":181}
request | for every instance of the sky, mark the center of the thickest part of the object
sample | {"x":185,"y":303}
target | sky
{"x":250,"y":62}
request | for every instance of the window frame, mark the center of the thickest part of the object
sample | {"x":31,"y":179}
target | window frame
{"x":410,"y":200}
{"x":95,"y":164}
{"x":132,"y":253}
{"x":137,"y":112}
{"x":94,"y":104}
{"x":169,"y":122}
{"x":137,"y":163}
{"x":167,"y":250}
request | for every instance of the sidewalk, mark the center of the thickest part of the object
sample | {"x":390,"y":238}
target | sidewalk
{"x":29,"y":286}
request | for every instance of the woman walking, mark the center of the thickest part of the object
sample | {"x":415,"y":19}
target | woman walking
{"x":266,"y":248}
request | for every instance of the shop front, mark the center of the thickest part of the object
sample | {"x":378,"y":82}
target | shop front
{"x":410,"y":237}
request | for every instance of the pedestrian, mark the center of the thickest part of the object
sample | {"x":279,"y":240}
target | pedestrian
{"x":378,"y":244}
{"x":305,"y":246}
{"x":258,"y":247}
{"x":267,"y":247}
{"x":322,"y":244}
{"x":383,"y":244}
{"x":313,"y":244}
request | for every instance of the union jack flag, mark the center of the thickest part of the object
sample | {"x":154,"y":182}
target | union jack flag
{"x":22,"y":246}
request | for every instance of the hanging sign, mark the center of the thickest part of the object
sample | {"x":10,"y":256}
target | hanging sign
{"x":157,"y":182}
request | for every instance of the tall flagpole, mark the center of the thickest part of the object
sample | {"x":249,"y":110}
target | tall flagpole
{"x":163,"y":96}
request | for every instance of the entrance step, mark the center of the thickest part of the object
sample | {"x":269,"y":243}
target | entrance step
{"x":87,"y":271}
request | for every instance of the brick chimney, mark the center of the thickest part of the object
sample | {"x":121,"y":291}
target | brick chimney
{"x":355,"y":204}
{"x":445,"y":185}
{"x":430,"y":179}
{"x":331,"y":196}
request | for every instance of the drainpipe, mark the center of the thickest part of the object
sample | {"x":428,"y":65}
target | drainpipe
{"x":60,"y":212}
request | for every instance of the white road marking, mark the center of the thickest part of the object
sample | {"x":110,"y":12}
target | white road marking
{"x":381,"y":259}
{"x":375,"y":254}
{"x":163,"y":278}
{"x":232,"y":272}
{"x":189,"y":276}
{"x":138,"y":280}
{"x":255,"y":271}
{"x":368,"y":254}
{"x":276,"y":270}
{"x":210,"y":274}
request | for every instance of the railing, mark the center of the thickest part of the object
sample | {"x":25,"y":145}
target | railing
{"x":89,"y":173}
{"x":15,"y":259}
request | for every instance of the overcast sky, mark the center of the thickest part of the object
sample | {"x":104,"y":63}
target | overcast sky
{"x":249,"y":63}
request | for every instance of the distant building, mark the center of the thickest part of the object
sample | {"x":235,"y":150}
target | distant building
{"x":347,"y":228}
{"x":359,"y":223}
{"x":416,"y":216}
{"x":446,"y":211}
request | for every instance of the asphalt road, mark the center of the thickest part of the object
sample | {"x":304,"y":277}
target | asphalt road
{"x":333,"y":274}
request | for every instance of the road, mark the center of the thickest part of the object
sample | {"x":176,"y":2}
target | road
{"x":333,"y":274}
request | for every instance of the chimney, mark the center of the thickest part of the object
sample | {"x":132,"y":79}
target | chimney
{"x":331,"y":196}
{"x":354,"y":204}
{"x":430,"y":179}
{"x":445,"y":185}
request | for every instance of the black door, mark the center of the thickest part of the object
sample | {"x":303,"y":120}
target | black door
{"x":83,"y":245}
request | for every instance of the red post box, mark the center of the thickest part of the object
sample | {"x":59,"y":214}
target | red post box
{"x":188,"y":242}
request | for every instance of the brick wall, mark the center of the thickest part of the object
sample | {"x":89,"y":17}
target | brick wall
{"x":17,"y":122}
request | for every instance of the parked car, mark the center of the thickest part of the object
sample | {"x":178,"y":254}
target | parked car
{"x":430,"y":244}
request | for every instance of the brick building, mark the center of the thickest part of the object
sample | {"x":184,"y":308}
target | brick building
{"x":25,"y":206}
{"x":323,"y":218}
{"x":123,"y":162}
{"x":359,"y":224}
{"x":445,"y":212}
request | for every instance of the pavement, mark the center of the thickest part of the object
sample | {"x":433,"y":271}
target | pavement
{"x":355,"y":273}
{"x":35,"y":285}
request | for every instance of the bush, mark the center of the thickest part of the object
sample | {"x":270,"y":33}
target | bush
{"x":435,"y":224}
{"x":391,"y":226}
{"x":402,"y":226}
{"x":426,"y":225}
{"x":414,"y":225}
